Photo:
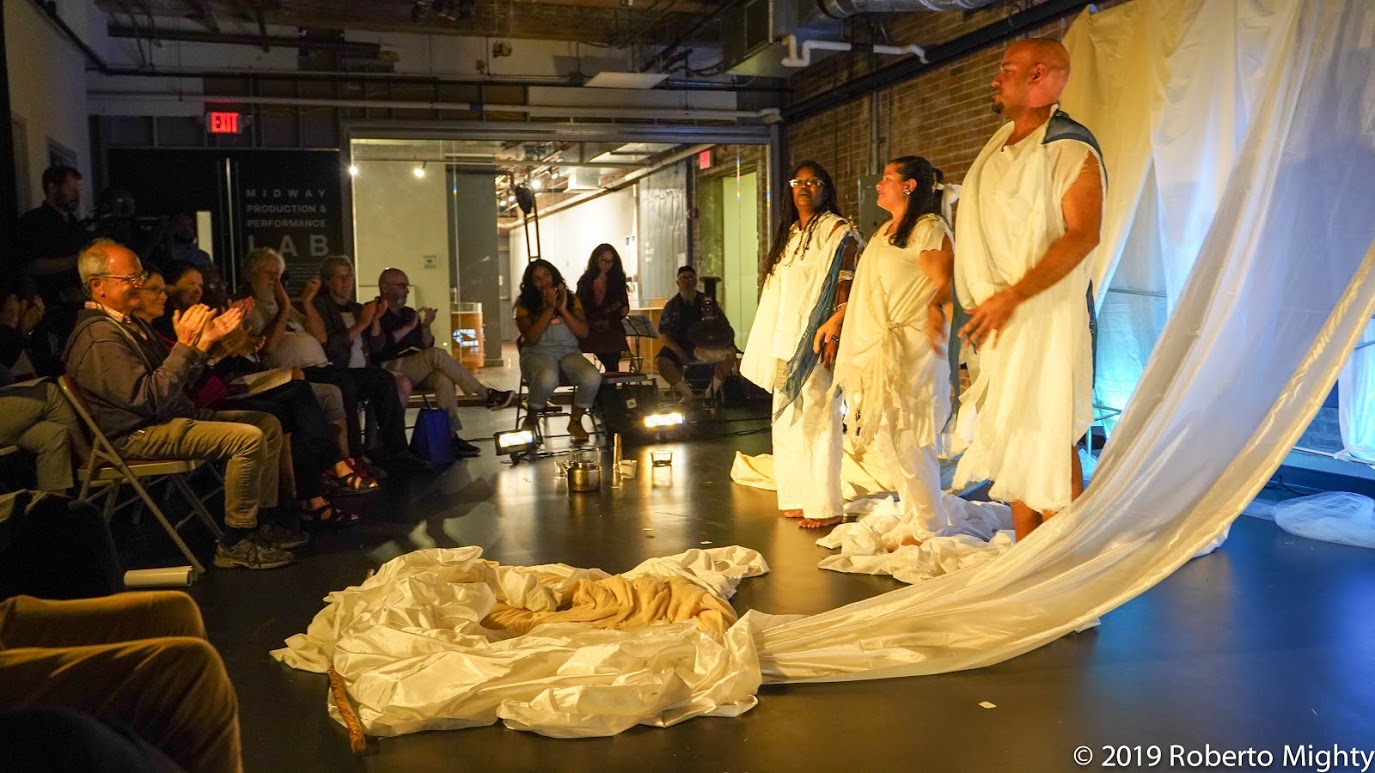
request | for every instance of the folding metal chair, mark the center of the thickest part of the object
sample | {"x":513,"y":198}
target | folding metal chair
{"x":550,"y":410}
{"x":106,"y":469}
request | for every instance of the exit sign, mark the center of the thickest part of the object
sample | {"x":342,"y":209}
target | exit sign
{"x":222,"y":123}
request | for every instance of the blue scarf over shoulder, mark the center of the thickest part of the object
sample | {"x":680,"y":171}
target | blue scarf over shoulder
{"x":804,"y":360}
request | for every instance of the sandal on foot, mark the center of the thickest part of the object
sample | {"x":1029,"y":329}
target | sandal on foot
{"x":355,"y":482}
{"x":327,"y":516}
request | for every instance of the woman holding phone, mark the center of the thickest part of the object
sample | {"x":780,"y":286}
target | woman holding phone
{"x":550,"y":320}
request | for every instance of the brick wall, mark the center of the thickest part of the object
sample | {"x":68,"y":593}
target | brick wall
{"x":942,"y":114}
{"x":1325,"y":433}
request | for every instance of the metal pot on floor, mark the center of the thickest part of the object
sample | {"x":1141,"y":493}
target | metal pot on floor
{"x":584,"y":474}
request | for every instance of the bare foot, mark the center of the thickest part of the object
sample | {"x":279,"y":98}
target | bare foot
{"x":819,"y":523}
{"x":791,"y":513}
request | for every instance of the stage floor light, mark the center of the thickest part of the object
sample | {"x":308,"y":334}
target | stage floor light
{"x":516,"y":443}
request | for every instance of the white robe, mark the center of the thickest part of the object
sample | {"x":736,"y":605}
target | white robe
{"x":1033,"y":396}
{"x":896,"y":391}
{"x":885,"y":366}
{"x":788,"y":297}
{"x":806,"y":436}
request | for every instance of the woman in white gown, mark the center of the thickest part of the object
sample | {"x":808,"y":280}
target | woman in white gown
{"x":807,"y":277}
{"x":891,"y":366}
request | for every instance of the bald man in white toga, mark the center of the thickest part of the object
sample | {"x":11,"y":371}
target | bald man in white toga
{"x":1029,"y":215}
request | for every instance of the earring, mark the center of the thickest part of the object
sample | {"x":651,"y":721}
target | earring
{"x":906,"y":192}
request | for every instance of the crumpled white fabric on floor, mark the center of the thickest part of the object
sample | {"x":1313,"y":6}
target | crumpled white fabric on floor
{"x":1279,"y":295}
{"x":1332,"y":516}
{"x":409,"y":644}
{"x":859,"y":477}
{"x":979,"y":532}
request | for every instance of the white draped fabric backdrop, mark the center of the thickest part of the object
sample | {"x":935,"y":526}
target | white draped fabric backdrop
{"x":1172,"y":137}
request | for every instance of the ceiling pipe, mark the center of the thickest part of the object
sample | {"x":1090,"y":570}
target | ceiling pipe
{"x":842,"y":9}
{"x":553,"y":82}
{"x":940,"y":54}
{"x":620,"y":182}
{"x":801,"y":55}
{"x":450,"y":159}
{"x":767,"y":115}
{"x":237,"y":39}
{"x":669,"y":50}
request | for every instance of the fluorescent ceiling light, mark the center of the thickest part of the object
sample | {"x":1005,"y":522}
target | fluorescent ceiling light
{"x":626,"y":80}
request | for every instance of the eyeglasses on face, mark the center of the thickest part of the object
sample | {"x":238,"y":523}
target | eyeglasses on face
{"x":811,"y":182}
{"x":402,"y":285}
{"x":156,"y":291}
{"x":133,"y":279}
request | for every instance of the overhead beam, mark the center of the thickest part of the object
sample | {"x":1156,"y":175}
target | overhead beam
{"x":266,"y":42}
{"x":204,"y":14}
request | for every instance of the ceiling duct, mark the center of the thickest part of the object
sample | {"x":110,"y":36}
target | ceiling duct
{"x":753,"y":29}
{"x":584,"y":179}
{"x":841,"y":9}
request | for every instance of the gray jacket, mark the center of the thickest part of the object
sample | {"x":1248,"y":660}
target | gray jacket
{"x":130,"y":381}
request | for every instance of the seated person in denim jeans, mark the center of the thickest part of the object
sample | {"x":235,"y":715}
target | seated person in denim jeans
{"x":675,"y":323}
{"x":550,"y":320}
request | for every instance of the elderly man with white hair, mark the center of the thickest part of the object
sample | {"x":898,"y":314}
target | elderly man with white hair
{"x":137,"y":393}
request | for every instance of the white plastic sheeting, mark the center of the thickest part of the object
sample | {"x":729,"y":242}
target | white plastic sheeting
{"x":1170,"y":89}
{"x":410,"y":645}
{"x":883,"y":541}
{"x":859,"y":476}
{"x":1279,"y":295}
{"x":1333,"y":516}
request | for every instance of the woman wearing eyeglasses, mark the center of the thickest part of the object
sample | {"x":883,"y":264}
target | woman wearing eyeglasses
{"x":793,"y":342}
{"x":313,"y":456}
{"x":891,"y":367}
{"x":605,"y":301}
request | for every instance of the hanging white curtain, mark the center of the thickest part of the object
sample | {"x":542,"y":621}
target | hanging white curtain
{"x":1279,"y":295}
{"x":1356,"y":402}
{"x":1169,"y":88}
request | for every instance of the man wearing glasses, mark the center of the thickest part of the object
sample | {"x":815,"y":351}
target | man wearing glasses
{"x":137,"y":393}
{"x":406,"y":347}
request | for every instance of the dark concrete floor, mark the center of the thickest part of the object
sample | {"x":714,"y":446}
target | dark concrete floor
{"x":1270,"y":641}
